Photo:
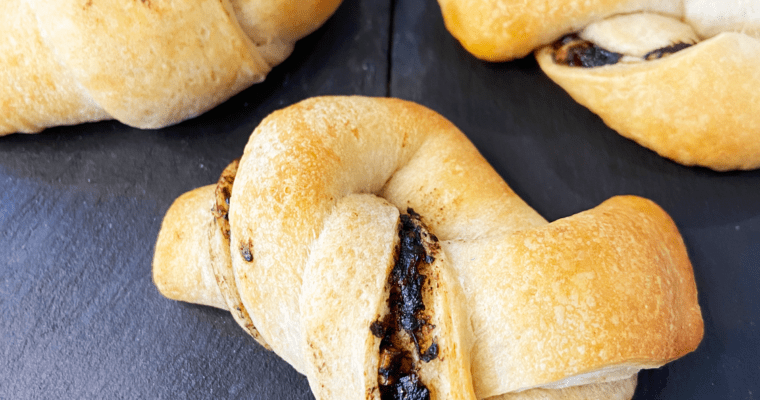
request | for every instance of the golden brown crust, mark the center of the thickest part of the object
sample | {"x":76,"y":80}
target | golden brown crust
{"x":501,"y":30}
{"x":37,"y":91}
{"x":282,"y":20}
{"x":309,"y":155}
{"x":161,"y":62}
{"x":609,"y":288}
{"x":591,"y":298}
{"x":699,"y":106}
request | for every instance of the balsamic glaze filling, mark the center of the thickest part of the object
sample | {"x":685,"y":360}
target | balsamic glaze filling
{"x":397,"y":374}
{"x":573,"y":51}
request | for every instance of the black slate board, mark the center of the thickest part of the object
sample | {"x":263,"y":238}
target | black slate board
{"x":80,"y":208}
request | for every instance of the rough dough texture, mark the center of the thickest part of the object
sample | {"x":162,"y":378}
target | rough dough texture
{"x":584,"y":301}
{"x":146,"y":63}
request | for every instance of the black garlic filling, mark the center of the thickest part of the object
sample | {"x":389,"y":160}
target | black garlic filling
{"x":573,"y":51}
{"x":406,"y":331}
{"x":659,"y":53}
{"x":222,"y":194}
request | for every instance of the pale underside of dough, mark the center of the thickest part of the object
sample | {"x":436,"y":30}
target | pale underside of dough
{"x":709,"y":17}
{"x":635,"y":35}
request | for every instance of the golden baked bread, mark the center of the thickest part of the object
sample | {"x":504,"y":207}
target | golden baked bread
{"x":676,"y":76}
{"x":502,"y":30}
{"x":375,"y":250}
{"x":146,"y":63}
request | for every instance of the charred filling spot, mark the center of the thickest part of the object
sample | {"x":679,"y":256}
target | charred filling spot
{"x":406,"y":331}
{"x":222,"y":194}
{"x":245,"y":251}
{"x":573,"y":51}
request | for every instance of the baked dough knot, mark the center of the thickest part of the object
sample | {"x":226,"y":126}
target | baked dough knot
{"x":146,"y":63}
{"x":376,"y":251}
{"x":676,"y":76}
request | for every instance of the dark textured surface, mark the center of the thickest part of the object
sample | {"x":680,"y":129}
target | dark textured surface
{"x":80,"y":208}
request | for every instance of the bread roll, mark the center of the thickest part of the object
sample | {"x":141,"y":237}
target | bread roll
{"x":375,"y":250}
{"x":699,"y":106}
{"x":692,"y":99}
{"x":147,"y":63}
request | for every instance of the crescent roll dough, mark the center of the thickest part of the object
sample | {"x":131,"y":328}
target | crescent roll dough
{"x":375,"y":250}
{"x":699,"y":106}
{"x":689,"y":96}
{"x":146,"y":63}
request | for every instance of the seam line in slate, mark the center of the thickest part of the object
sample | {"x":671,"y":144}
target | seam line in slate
{"x":389,"y":64}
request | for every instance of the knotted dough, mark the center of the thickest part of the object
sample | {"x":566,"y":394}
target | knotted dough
{"x":697,"y":106}
{"x":146,"y":63}
{"x":511,"y":302}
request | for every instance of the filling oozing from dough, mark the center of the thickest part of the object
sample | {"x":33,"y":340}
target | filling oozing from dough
{"x":406,"y":331}
{"x":573,"y":51}
{"x":628,"y":38}
{"x":221,"y":207}
{"x":223,"y":193}
{"x":221,"y":262}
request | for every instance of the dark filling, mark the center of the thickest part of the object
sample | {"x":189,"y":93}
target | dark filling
{"x":659,"y":53}
{"x":245,"y":251}
{"x":573,"y":51}
{"x":408,"y":388}
{"x":397,"y":374}
{"x":221,"y":207}
{"x":407,"y":284}
{"x":223,"y":193}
